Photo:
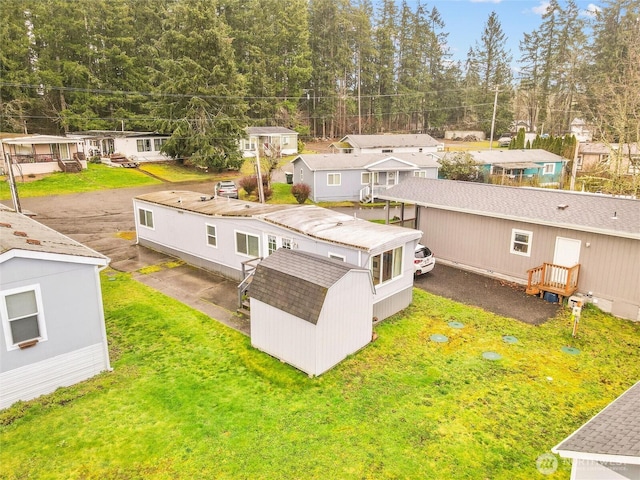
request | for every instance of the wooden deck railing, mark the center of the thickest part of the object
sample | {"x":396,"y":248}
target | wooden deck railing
{"x":557,"y":279}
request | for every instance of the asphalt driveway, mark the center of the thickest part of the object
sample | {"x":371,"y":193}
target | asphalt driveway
{"x":104,"y":221}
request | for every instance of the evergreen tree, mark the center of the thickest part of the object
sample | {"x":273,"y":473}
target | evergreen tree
{"x":201,"y":94}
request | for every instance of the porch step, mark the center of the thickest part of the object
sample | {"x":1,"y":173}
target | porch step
{"x":532,"y":291}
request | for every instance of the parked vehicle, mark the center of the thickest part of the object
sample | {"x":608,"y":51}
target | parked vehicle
{"x":504,"y":140}
{"x":423,"y":261}
{"x":226,"y":188}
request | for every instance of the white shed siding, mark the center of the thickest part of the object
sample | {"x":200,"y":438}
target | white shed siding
{"x":31,"y":381}
{"x":297,"y":347}
{"x":345,"y":325}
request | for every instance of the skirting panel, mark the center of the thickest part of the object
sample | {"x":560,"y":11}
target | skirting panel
{"x":43,"y":377}
{"x":393,"y":304}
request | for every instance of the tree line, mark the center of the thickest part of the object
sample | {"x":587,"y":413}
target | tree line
{"x":202,"y":70}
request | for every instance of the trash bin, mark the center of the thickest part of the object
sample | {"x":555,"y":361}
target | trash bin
{"x":289,"y":177}
{"x":551,"y":297}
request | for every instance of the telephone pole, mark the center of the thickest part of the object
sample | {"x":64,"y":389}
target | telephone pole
{"x":493,"y":119}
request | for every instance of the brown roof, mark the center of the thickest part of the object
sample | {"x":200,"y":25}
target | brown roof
{"x":19,"y":233}
{"x":297,"y":282}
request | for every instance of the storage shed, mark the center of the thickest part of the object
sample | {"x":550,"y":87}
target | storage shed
{"x":310,"y":311}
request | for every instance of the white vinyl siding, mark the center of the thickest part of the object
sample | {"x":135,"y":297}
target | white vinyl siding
{"x":521,"y":242}
{"x":22,"y":316}
{"x":247,"y":244}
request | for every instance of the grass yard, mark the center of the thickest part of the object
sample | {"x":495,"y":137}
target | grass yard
{"x":175,"y":172}
{"x":95,"y":177}
{"x":190,"y":398}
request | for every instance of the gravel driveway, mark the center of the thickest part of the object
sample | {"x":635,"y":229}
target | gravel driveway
{"x":96,"y":218}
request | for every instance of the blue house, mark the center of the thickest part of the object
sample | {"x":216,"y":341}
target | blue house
{"x":534,"y":166}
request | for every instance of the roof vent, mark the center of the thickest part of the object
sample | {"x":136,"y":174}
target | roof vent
{"x":562,"y":206}
{"x":20,"y":234}
{"x":203,"y":198}
{"x":5,"y":225}
{"x":247,"y":206}
{"x":338,"y":224}
{"x":33,"y":241}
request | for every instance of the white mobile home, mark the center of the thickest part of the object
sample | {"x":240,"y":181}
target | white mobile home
{"x":133,"y":146}
{"x":40,"y":154}
{"x":590,"y":243}
{"x":388,"y":143}
{"x":52,"y":331}
{"x":272,"y":141}
{"x":222,"y":235}
{"x":310,"y":311}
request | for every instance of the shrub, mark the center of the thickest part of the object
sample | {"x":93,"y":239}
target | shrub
{"x":249,"y":184}
{"x":301,"y":192}
{"x":268,"y":192}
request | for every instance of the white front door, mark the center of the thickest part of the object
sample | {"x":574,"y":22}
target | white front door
{"x":567,"y":254}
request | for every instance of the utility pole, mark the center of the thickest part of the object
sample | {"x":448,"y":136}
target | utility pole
{"x":359,"y":111}
{"x":12,"y":184}
{"x":260,"y":189}
{"x":493,"y":120}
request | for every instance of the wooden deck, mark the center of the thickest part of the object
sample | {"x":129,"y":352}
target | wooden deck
{"x":548,"y":277}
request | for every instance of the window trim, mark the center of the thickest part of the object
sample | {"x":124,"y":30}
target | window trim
{"x":209,"y":235}
{"x":158,"y":143}
{"x":144,"y":145}
{"x":514,"y":233}
{"x":335,"y":175}
{"x":549,"y":169}
{"x":247,"y":235}
{"x":369,"y":174}
{"x":6,"y":322}
{"x":145,"y":224}
{"x":395,"y":269}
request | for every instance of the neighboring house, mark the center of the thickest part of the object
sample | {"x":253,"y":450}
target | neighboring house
{"x":52,"y":320}
{"x":607,"y":447}
{"x":581,"y":130}
{"x":127,"y":145}
{"x":309,"y":310}
{"x":505,"y":232}
{"x":273,"y":141}
{"x":226,"y":236}
{"x":537,"y":165}
{"x":622,"y":159}
{"x":359,"y":177}
{"x":409,"y":143}
{"x":478,"y":135}
{"x":38,"y":154}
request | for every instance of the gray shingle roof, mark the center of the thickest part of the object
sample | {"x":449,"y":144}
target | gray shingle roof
{"x":269,"y":130}
{"x":391,"y":141}
{"x":311,"y":220}
{"x":585,"y":212}
{"x":361,"y":161}
{"x":297,"y":282}
{"x":20,"y":233}
{"x":614,"y":431}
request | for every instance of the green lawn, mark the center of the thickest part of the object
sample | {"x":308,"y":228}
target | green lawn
{"x":190,"y":398}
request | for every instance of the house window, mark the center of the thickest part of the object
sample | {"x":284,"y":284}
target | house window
{"x":335,"y":256}
{"x":285,"y":140}
{"x":579,"y":162}
{"x":145,"y":217}
{"x":272,"y":243}
{"x":365,"y":178}
{"x":604,"y":159}
{"x":386,"y":266}
{"x":420,"y":173}
{"x":22,"y":316}
{"x":247,"y":244}
{"x":286,"y":243}
{"x":521,"y":242}
{"x":333,"y":179}
{"x":144,"y":145}
{"x":301,"y":175}
{"x":158,"y":143}
{"x":212,"y":239}
{"x":549,"y":169}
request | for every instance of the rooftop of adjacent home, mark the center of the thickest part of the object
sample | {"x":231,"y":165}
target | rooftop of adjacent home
{"x":391,"y":141}
{"x":605,"y":214}
{"x":369,"y":161}
{"x":309,"y":220}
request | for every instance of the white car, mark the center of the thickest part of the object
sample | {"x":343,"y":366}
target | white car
{"x":423,"y":261}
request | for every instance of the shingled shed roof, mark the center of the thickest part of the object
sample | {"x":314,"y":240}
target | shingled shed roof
{"x":612,"y":433}
{"x":297,"y":282}
{"x":602,"y":214}
{"x":20,"y":235}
